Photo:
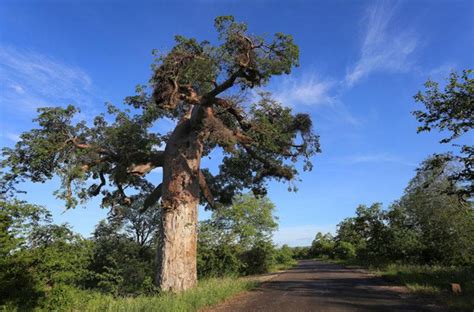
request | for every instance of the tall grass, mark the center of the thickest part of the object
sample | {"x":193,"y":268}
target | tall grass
{"x":435,"y":281}
{"x":207,"y":293}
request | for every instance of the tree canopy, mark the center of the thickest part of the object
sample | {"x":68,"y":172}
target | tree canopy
{"x":199,"y":86}
{"x":452,"y":111}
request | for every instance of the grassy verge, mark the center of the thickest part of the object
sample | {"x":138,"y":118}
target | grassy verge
{"x":207,"y":293}
{"x":426,"y":280}
{"x":433,"y":281}
{"x":283,"y":266}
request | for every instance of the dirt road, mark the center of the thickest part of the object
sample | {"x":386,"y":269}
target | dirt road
{"x":318,"y":286}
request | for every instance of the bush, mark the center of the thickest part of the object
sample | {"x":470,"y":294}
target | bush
{"x":61,"y":298}
{"x":322,"y":245}
{"x":300,"y":253}
{"x":284,"y":255}
{"x":344,"y":250}
{"x":215,"y":261}
{"x":259,"y":259}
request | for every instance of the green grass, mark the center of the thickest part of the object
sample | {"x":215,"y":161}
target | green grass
{"x":433,"y":281}
{"x":207,"y":293}
{"x":283,"y":266}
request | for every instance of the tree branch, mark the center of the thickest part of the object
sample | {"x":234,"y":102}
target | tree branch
{"x":96,"y":191}
{"x":152,"y":198}
{"x":206,"y":192}
{"x":229,"y":107}
{"x":99,"y":150}
{"x":225,"y":85}
{"x":141,"y":169}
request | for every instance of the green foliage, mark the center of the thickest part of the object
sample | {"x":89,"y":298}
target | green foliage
{"x":300,"y":253}
{"x":17,"y":283}
{"x":120,"y":265}
{"x":284,"y":254}
{"x":46,"y":265}
{"x":248,"y":220}
{"x":207,"y":293}
{"x":443,"y":222}
{"x":344,"y":250}
{"x":217,"y":256}
{"x":430,"y":224}
{"x":322,"y":245}
{"x":193,"y":76}
{"x":57,"y":148}
{"x":259,"y":259}
{"x":61,"y":256}
{"x":37,"y":255}
{"x":366,"y":232}
{"x":237,"y":238}
{"x":452,"y":111}
{"x":63,"y":297}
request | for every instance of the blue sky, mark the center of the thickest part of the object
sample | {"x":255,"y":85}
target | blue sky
{"x":361,"y":64}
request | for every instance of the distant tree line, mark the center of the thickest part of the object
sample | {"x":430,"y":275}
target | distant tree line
{"x":429,"y":224}
{"x":433,"y":222}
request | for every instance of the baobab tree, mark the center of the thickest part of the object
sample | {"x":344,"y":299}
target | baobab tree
{"x":206,"y":90}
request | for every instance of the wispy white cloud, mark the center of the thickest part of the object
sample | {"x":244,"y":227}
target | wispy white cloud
{"x":29,"y":79}
{"x":310,"y":91}
{"x":384,"y":47}
{"x":14,"y":137}
{"x":301,"y":235}
{"x":441,"y":71}
{"x":307,"y":90}
{"x":376,"y":158}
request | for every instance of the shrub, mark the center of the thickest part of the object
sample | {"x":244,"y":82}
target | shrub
{"x":344,"y":250}
{"x":259,"y":259}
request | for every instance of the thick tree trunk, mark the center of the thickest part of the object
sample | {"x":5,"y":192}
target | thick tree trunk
{"x":177,"y":247}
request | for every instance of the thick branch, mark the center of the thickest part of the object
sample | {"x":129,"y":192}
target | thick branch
{"x":234,"y":112}
{"x":141,"y":169}
{"x":125,"y":198}
{"x":153,"y":197}
{"x":206,"y":192}
{"x":76,"y":143}
{"x":96,"y":191}
{"x":225,"y":85}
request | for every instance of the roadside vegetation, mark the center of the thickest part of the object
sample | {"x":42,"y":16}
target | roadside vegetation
{"x":48,"y":267}
{"x":207,"y":293}
{"x":422,"y":241}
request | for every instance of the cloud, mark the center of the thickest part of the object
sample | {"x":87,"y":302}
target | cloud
{"x":308,"y":90}
{"x":14,"y":137}
{"x":441,"y":72}
{"x":376,"y":158}
{"x":301,"y":235}
{"x":29,"y":80}
{"x":383,"y":47}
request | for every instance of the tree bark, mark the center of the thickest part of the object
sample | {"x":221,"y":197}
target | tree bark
{"x":177,"y":245}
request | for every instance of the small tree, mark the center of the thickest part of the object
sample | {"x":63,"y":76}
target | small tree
{"x":237,"y":238}
{"x":322,"y":245}
{"x":203,"y":88}
{"x":121,"y":264}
